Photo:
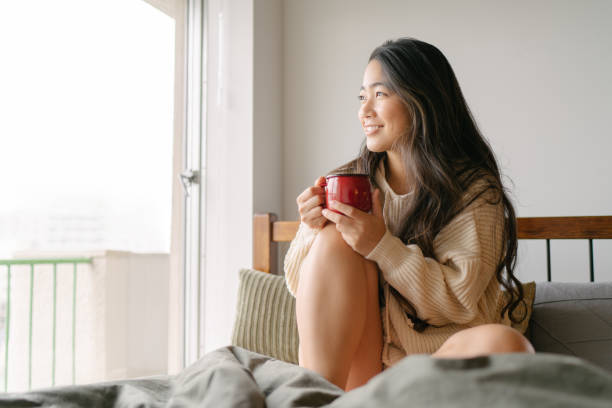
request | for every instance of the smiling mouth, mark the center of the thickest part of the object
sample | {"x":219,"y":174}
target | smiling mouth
{"x":371,"y":129}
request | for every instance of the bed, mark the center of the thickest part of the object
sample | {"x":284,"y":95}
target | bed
{"x":570,"y":327}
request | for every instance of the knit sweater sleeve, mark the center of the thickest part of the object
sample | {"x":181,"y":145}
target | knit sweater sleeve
{"x":446,"y":289}
{"x":298,"y":250}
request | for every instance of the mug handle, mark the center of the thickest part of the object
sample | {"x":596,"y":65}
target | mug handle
{"x":324,"y":205}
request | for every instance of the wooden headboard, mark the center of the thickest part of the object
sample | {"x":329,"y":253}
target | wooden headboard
{"x":267,"y":232}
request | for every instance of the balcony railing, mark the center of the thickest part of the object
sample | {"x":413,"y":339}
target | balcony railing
{"x":32,"y":263}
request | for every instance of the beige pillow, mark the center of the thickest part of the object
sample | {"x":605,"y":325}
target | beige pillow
{"x":265,"y":317}
{"x":529,"y":295}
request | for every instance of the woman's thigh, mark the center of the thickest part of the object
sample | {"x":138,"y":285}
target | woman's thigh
{"x":332,"y":287}
{"x":338,"y":297}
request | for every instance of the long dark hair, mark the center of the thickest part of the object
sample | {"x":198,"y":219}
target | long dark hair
{"x":445,"y":151}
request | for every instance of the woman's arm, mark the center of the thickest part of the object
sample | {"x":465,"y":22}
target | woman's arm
{"x":298,"y":250}
{"x":446,"y":289}
{"x":311,"y":221}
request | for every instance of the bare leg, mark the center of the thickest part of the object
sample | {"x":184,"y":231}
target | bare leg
{"x":483,"y":340}
{"x":337,"y":312}
{"x":368,"y":358}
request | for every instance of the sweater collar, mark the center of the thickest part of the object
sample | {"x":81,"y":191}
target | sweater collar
{"x":381,"y":180}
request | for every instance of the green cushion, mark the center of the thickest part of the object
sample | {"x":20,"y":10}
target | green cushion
{"x":265,"y":317}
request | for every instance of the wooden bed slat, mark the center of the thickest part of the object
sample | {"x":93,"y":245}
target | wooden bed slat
{"x":266,"y":232}
{"x":283,"y":231}
{"x":565,"y":228}
{"x":262,"y":228}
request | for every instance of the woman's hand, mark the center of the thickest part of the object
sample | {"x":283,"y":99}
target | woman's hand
{"x":309,"y":204}
{"x":360,"y":230}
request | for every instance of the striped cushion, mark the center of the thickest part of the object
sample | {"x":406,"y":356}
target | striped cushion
{"x":265,"y":317}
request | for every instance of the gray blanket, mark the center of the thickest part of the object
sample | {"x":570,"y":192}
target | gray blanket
{"x":234,"y":377}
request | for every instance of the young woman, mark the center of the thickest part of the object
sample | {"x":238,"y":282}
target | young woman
{"x":423,"y":272}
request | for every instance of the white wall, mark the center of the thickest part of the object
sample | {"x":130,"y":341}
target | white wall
{"x":229,"y":164}
{"x":535,"y":74}
{"x":268,"y":107}
{"x":244,"y":147}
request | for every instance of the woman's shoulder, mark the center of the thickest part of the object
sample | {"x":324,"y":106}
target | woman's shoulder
{"x":481,"y":188}
{"x":482,"y":203}
{"x":348,"y":168}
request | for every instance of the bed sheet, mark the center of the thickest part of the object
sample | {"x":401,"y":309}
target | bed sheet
{"x":235,"y":377}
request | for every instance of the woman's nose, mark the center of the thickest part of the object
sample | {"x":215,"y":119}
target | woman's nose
{"x":365,"y":110}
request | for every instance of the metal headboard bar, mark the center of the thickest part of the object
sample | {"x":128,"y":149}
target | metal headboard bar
{"x":548,"y":268}
{"x":591,"y":264}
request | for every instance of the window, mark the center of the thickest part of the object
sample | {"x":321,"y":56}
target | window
{"x":91,"y":93}
{"x":87,"y":102}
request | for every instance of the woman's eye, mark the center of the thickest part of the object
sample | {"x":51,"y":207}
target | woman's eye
{"x":379,"y":93}
{"x":361,"y":97}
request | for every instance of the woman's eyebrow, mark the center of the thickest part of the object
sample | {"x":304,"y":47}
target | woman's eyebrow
{"x":372,"y":85}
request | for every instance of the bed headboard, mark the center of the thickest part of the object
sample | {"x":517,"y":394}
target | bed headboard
{"x":267,"y":232}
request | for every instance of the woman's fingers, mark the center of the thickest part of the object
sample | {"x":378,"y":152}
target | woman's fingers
{"x":310,"y":212}
{"x":309,"y":204}
{"x":313,"y":218}
{"x":344,"y":225}
{"x":333,"y":216}
{"x":313,"y":202}
{"x":345,"y":209}
{"x":309,"y":193}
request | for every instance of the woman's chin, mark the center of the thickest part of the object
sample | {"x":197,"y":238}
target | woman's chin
{"x":374,"y":147}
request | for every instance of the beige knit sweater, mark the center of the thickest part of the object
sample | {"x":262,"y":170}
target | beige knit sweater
{"x":455,"y":290}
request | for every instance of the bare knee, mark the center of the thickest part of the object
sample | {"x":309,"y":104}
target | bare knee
{"x":329,"y":250}
{"x":330,"y":242}
{"x":483,"y":340}
{"x":504,"y":339}
{"x":333,"y":267}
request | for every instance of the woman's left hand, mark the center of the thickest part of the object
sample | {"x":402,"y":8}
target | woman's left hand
{"x":360,"y":230}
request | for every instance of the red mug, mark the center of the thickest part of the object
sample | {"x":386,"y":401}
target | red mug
{"x":351,"y":189}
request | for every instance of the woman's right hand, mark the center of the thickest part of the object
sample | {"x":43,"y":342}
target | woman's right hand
{"x":309,"y":205}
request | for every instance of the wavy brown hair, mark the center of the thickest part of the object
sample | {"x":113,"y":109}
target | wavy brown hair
{"x":445,"y":151}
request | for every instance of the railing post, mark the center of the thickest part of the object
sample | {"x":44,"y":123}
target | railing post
{"x":7,"y":323}
{"x":31,"y":316}
{"x":74,"y":286}
{"x":54,"y":324}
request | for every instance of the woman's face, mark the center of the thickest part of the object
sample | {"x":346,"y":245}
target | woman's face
{"x":383,"y":115}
